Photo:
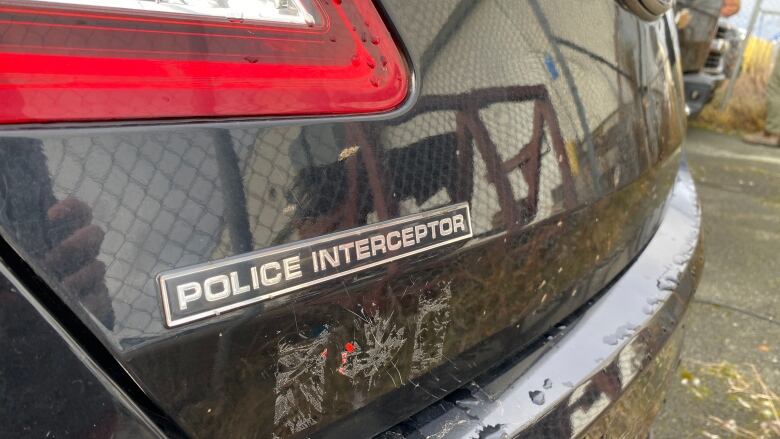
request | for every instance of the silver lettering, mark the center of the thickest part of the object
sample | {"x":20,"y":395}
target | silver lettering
{"x":208,"y":289}
{"x":326,"y":257}
{"x":235,"y":286}
{"x":345,"y":248}
{"x":377,"y":244}
{"x":432,"y":225}
{"x":408,"y":236}
{"x":292,"y":267}
{"x":265,"y":278}
{"x":420,"y":232}
{"x":445,"y":231}
{"x":361,"y":249}
{"x":390,"y":245}
{"x":184,"y":298}
{"x":255,"y":278}
{"x":457,"y":223}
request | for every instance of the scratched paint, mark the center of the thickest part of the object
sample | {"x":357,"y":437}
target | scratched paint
{"x":433,"y":317}
{"x":300,"y":379}
{"x":375,"y":355}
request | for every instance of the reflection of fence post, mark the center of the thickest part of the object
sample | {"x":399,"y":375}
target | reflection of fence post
{"x":742,"y":46}
{"x":493,"y":163}
{"x":230,"y":178}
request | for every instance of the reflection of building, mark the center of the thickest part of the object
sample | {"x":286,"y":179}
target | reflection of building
{"x":529,"y":152}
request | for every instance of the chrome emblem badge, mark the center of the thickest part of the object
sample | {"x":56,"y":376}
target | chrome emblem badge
{"x":193,"y":293}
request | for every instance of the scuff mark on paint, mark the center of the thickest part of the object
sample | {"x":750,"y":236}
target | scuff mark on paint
{"x":349,"y":349}
{"x":300,"y":380}
{"x":433,"y":317}
{"x":383,"y":341}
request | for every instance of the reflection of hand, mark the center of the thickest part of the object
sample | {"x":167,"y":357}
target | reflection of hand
{"x":73,"y":258}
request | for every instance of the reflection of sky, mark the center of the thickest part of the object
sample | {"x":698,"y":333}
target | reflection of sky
{"x":767,"y":26}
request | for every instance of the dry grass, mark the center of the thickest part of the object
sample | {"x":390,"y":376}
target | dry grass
{"x":746,"y":111}
{"x":743,"y":393}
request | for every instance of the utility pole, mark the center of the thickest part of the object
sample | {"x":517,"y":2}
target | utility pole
{"x":735,"y":72}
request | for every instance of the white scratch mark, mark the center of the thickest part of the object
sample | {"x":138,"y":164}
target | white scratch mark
{"x":300,"y":380}
{"x":433,"y":317}
{"x":383,"y":341}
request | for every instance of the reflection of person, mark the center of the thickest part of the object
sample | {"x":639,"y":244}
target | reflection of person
{"x":57,"y":235}
{"x":74,"y":258}
{"x":36,"y":372}
{"x":771,"y":134}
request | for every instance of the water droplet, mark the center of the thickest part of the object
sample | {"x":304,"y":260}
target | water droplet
{"x":250,"y":59}
{"x":370,"y":62}
{"x":374,"y":81}
{"x":667,"y":283}
{"x":568,"y":384}
{"x":374,"y":40}
{"x":363,"y":37}
{"x":610,"y":339}
{"x":547,"y":383}
{"x":336,"y":2}
{"x":537,"y":397}
{"x":383,"y":60}
{"x":332,"y":39}
{"x":625,"y":331}
{"x":647,"y":309}
{"x":355,"y":60}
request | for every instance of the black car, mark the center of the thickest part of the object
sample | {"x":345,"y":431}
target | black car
{"x":341,"y":218}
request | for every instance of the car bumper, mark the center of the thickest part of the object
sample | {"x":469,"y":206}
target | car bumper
{"x":699,"y":88}
{"x":605,"y":373}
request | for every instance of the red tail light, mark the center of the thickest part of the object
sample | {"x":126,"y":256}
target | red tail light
{"x":72,"y":60}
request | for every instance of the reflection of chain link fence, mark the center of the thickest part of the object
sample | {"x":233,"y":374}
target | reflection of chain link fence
{"x":161,"y":206}
{"x":162,"y":201}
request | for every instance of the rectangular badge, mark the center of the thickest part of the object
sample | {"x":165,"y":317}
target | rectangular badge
{"x":200,"y":291}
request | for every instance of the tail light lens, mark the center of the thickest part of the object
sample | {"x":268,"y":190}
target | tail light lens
{"x":75,"y":60}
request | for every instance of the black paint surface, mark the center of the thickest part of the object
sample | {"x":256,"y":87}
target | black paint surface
{"x":47,"y":386}
{"x":556,"y":121}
